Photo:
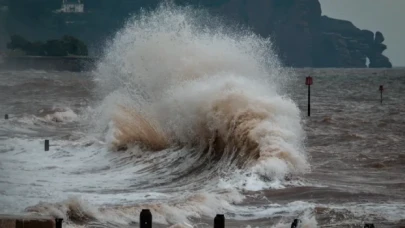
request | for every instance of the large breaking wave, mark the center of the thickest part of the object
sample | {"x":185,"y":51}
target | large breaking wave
{"x":198,"y":107}
{"x":175,"y":81}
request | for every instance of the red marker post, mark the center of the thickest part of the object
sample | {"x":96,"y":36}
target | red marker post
{"x":381,"y":91}
{"x":309,"y":82}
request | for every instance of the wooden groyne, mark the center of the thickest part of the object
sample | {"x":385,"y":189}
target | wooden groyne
{"x":26,"y":221}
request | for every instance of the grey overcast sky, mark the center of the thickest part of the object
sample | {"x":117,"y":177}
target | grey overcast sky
{"x":387,"y":16}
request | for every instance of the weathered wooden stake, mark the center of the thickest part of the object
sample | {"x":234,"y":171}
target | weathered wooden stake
{"x":309,"y":100}
{"x":58,"y":223}
{"x":381,"y":92}
{"x":295,"y":223}
{"x":219,"y":221}
{"x":47,"y":145}
{"x":145,"y":219}
{"x":309,"y":82}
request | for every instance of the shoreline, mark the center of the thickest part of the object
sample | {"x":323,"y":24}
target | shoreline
{"x":85,"y":64}
{"x":63,"y":63}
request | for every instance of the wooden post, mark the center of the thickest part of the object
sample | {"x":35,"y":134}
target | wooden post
{"x":219,"y":221}
{"x":295,"y":223}
{"x":381,"y":93}
{"x":47,"y":145}
{"x":58,"y":223}
{"x":145,"y":219}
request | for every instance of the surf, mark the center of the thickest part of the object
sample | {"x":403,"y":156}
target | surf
{"x":194,"y":113}
{"x":172,"y":80}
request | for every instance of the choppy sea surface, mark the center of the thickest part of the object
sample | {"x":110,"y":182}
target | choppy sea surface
{"x":191,"y":123}
{"x":354,"y":143}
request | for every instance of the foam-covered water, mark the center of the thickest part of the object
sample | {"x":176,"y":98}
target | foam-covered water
{"x":189,"y":119}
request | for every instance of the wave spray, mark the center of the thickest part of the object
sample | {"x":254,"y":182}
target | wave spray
{"x":202,"y":99}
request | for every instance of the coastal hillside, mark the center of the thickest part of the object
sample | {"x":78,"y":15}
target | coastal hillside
{"x":302,"y":37}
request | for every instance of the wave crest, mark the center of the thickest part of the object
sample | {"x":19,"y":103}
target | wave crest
{"x":172,"y":80}
{"x":132,"y":127}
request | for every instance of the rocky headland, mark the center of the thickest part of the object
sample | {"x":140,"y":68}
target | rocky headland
{"x":301,"y":35}
{"x":305,"y":38}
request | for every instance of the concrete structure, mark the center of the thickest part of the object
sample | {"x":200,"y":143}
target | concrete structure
{"x":70,"y":6}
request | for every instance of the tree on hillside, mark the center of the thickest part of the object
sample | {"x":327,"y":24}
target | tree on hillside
{"x":68,"y":45}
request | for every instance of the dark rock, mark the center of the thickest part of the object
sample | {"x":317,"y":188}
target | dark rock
{"x":380,"y":61}
{"x":301,"y":36}
{"x":297,"y":34}
{"x":377,"y":59}
{"x":379,"y":37}
{"x":339,"y":51}
{"x":343,"y":27}
{"x":379,"y":48}
{"x":368,"y":36}
{"x":333,"y":48}
{"x":292,"y":25}
{"x":344,"y":45}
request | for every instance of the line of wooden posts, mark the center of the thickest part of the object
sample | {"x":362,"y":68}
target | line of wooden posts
{"x":145,"y":221}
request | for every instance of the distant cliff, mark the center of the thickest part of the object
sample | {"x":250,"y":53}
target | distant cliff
{"x":302,"y":36}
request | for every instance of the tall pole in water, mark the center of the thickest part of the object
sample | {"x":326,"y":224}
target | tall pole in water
{"x":381,"y":92}
{"x":309,"y":82}
{"x":309,"y":100}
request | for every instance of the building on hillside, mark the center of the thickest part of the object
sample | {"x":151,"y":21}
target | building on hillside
{"x":72,"y":6}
